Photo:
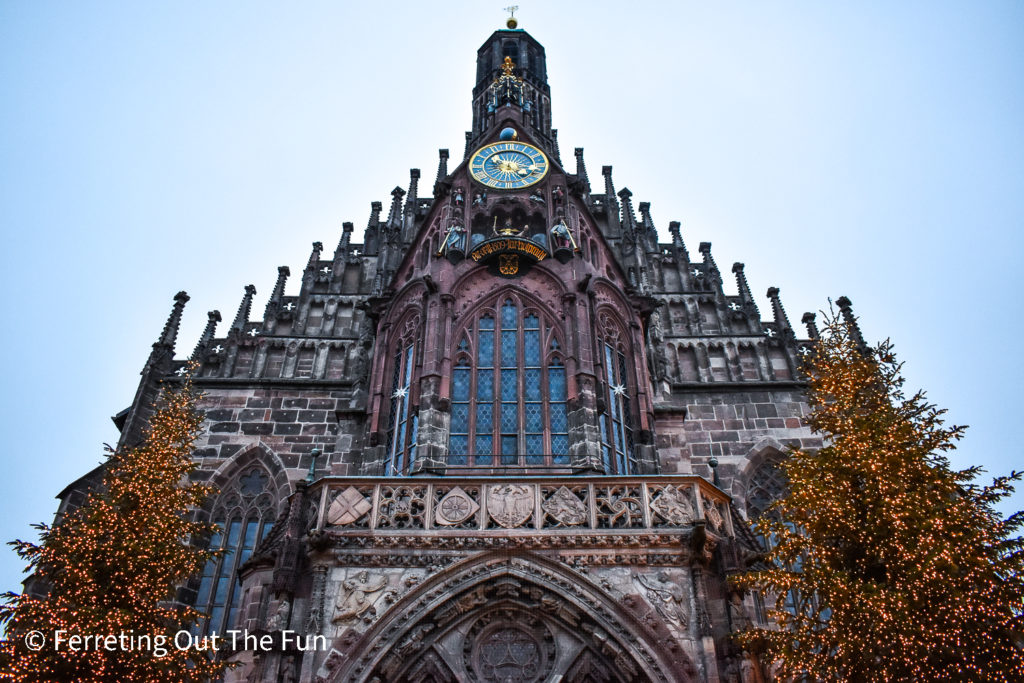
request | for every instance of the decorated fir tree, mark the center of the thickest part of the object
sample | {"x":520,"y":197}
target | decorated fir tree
{"x":885,"y":564}
{"x":110,"y":568}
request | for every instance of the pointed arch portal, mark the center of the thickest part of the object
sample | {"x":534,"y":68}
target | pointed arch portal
{"x":500,"y":618}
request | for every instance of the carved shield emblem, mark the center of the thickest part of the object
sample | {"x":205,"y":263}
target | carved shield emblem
{"x":508,"y":264}
{"x":456,"y":507}
{"x":348,"y":507}
{"x":673,"y":506}
{"x":510,"y":505}
{"x":565,"y":508}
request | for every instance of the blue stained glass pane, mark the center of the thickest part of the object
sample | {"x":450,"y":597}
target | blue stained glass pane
{"x":604,"y":429}
{"x":510,"y":417}
{"x":412,"y":454}
{"x":485,"y":385}
{"x":234,"y":530}
{"x":457,"y":447}
{"x":487,"y":323}
{"x":393,"y":417}
{"x":485,"y":352}
{"x":533,"y":384}
{"x":534,"y":444}
{"x":559,"y":423}
{"x":607,"y":458}
{"x":204,"y":591}
{"x":616,"y":435}
{"x":508,"y":447}
{"x":408,"y":365}
{"x":609,"y":367}
{"x":484,"y":417}
{"x":534,"y":417}
{"x":508,"y":349}
{"x":483,"y":445}
{"x":622,"y":369}
{"x":559,"y":444}
{"x":509,"y":385}
{"x":460,"y":384}
{"x":531,"y":322}
{"x":508,"y":316}
{"x":460,"y":418}
{"x":221,"y":594}
{"x":531,"y":347}
{"x":556,"y":383}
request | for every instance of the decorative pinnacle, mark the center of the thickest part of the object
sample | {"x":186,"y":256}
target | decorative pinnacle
{"x":781,"y":320}
{"x":242,"y":317}
{"x":314,"y":256}
{"x":812,"y":327}
{"x":212,"y":318}
{"x":677,"y":240}
{"x":742,"y":286}
{"x":394,"y":217}
{"x":581,"y":168}
{"x":170,"y":331}
{"x":846,"y":307}
{"x":442,"y":169}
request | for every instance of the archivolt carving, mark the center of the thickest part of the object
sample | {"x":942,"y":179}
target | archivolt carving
{"x":526,"y":584}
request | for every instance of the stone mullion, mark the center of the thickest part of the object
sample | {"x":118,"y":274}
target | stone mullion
{"x":584,"y":431}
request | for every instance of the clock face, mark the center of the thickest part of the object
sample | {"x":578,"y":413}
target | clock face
{"x":508,"y":165}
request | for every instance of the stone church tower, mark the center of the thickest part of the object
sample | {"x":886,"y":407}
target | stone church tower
{"x":509,"y":437}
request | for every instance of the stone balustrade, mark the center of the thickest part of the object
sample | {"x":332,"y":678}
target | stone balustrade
{"x":539,"y":505}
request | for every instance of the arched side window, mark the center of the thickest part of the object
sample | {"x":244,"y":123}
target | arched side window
{"x":767,"y":484}
{"x":509,"y":392}
{"x":617,"y":441}
{"x":244,"y":515}
{"x":402,"y":421}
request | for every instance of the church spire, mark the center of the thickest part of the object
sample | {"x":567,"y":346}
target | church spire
{"x":275,"y":297}
{"x":779,"y":313}
{"x":846,"y":308}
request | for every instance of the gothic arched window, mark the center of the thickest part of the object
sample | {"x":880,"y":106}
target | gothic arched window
{"x":244,"y":514}
{"x":767,"y":484}
{"x":403,"y":421}
{"x":509,"y":391}
{"x":617,"y":443}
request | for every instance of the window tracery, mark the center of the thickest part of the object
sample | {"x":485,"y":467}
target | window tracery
{"x":509,"y":391}
{"x":244,"y":515}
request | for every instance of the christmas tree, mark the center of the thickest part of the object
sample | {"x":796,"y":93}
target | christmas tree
{"x":884,"y":564}
{"x":110,"y":568}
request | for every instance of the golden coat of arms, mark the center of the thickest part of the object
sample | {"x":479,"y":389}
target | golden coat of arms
{"x":508,"y":264}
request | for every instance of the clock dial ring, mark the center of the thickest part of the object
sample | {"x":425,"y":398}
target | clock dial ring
{"x":508,"y":165}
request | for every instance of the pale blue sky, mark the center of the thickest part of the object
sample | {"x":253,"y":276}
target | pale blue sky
{"x":874,"y":150}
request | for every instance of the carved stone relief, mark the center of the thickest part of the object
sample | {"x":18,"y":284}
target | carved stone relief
{"x":673,"y":506}
{"x":565,"y":507}
{"x":347,"y":507}
{"x":666,"y":596}
{"x":357,"y":596}
{"x":713,"y":515}
{"x":455,"y":508}
{"x":510,"y":505}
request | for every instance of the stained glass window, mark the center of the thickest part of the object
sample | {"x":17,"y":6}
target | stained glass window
{"x":508,"y":394}
{"x":243,"y":515}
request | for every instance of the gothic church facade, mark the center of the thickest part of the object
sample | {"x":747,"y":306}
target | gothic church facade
{"x":509,"y":437}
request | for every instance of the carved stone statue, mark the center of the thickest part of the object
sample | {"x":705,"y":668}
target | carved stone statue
{"x":279,"y":619}
{"x":355,"y":598}
{"x":667,"y":597}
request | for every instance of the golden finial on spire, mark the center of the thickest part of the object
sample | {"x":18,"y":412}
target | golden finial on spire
{"x":511,"y":21}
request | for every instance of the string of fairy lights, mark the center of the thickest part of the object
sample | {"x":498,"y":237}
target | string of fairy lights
{"x":906,"y":570}
{"x":112,"y":565}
